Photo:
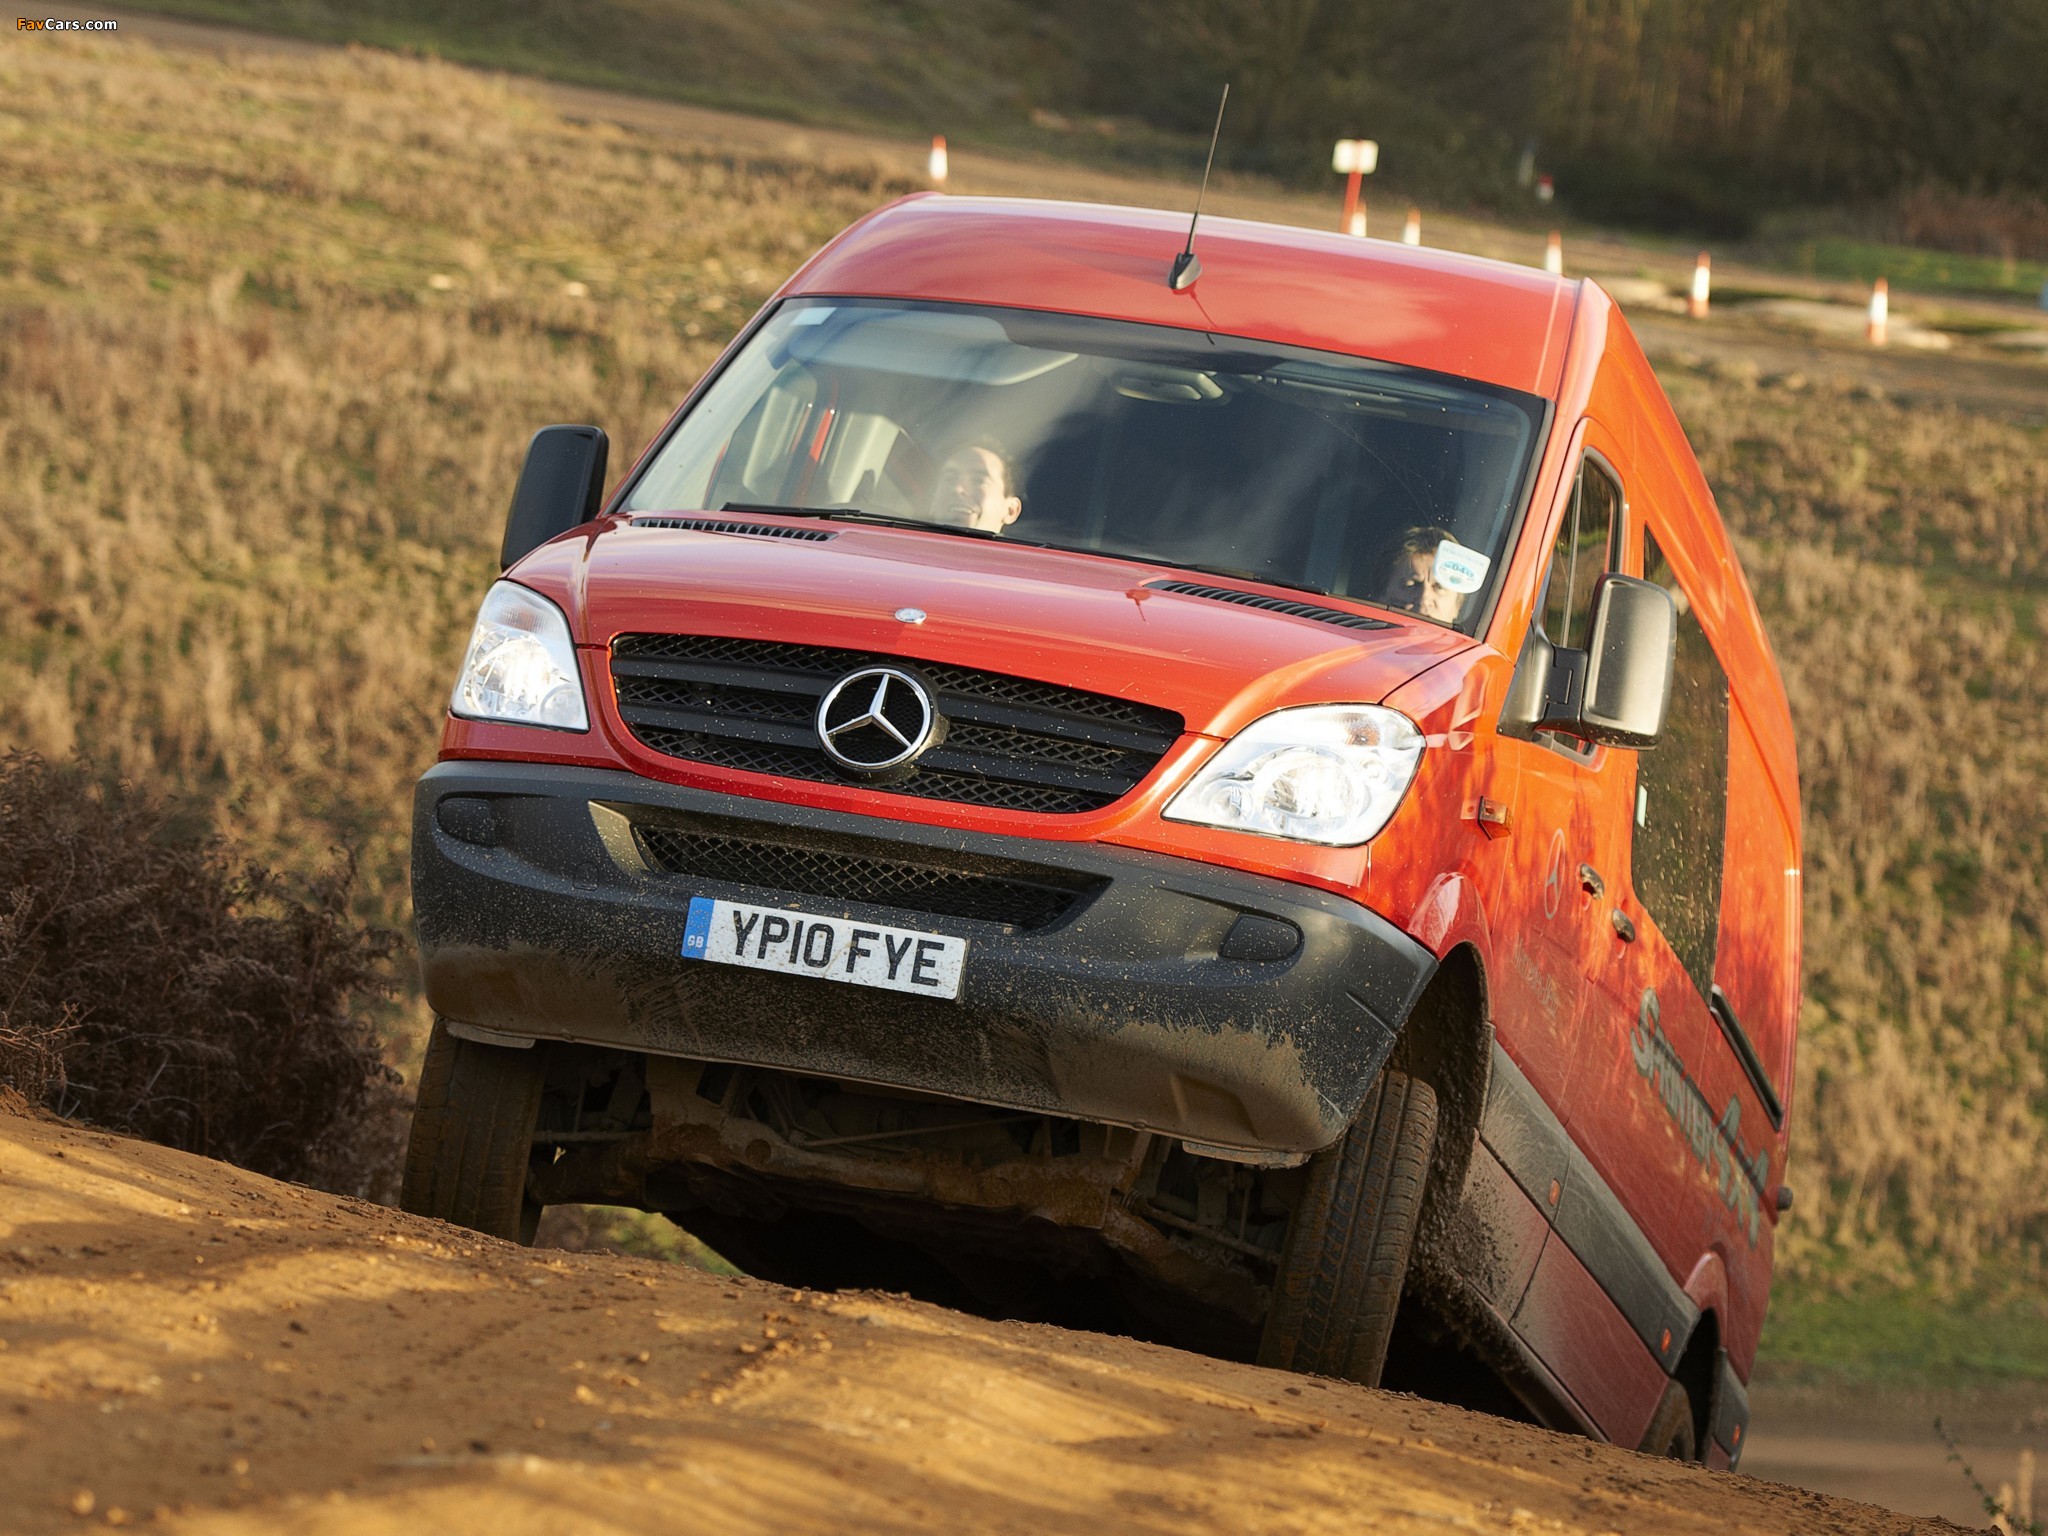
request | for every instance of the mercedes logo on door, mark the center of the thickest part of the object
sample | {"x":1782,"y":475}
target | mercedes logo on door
{"x":877,"y":722}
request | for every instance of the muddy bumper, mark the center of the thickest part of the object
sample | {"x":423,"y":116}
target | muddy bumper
{"x":1099,"y":984}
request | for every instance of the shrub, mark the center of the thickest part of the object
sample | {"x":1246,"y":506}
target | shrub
{"x":151,"y":984}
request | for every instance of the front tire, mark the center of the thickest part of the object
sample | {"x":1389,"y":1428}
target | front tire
{"x":472,"y":1136}
{"x":1671,"y":1431}
{"x":1349,"y":1241}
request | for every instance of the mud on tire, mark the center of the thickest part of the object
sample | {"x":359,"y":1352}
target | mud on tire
{"x":1349,"y":1241}
{"x":1671,"y":1432}
{"x":472,"y":1136}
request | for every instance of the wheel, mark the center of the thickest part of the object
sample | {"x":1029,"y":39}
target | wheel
{"x":1671,"y":1429}
{"x":472,"y":1136}
{"x":1348,"y":1244}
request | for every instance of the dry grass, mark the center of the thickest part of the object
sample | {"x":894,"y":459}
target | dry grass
{"x":254,"y":456}
{"x":1901,"y":558}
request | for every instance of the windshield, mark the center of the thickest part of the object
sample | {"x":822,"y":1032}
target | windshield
{"x":1277,"y":464}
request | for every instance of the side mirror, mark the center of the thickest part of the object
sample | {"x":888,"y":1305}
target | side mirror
{"x":1628,"y":664}
{"x":561,"y":485}
{"x":1613,"y":692}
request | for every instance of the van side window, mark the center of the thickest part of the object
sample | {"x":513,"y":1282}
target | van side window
{"x":1681,"y":811}
{"x":1580,"y":557}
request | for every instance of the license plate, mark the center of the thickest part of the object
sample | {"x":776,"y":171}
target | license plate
{"x":800,"y":944}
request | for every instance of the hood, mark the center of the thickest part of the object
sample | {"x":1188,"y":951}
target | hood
{"x":1086,"y":621}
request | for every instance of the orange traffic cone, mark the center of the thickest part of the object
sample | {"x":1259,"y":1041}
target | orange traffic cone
{"x":1880,"y":312}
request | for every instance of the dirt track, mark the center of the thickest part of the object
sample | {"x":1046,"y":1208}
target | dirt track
{"x":189,"y":1345}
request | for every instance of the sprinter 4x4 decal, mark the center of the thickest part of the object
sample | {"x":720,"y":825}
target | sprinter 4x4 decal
{"x":1716,"y":1143}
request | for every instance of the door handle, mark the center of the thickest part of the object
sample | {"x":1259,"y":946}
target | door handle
{"x":1591,"y":883}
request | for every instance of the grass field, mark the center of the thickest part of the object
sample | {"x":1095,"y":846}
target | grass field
{"x":273,"y":334}
{"x":1907,"y":266}
{"x":271,"y":342}
{"x":806,"y":59}
{"x":1911,"y":1337}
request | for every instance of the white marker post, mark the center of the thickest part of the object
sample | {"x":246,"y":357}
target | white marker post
{"x":1354,"y":158}
{"x":937,"y":166}
{"x":1546,"y":189}
{"x":1702,"y":285}
{"x":1880,"y":312}
{"x":1411,"y":232}
{"x":1553,"y":254}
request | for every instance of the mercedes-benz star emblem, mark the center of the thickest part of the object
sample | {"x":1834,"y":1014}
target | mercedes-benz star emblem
{"x":876,"y":723}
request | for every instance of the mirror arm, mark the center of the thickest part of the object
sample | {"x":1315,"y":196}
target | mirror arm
{"x":1528,"y":688}
{"x":1565,"y":696}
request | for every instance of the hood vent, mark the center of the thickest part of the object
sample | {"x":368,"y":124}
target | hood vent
{"x":1271,"y":604}
{"x":751,"y":530}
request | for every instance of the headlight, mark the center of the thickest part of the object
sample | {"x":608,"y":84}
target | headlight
{"x":1325,"y":774}
{"x":521,"y":665}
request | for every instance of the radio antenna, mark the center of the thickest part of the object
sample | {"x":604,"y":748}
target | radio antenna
{"x":1187,"y":266}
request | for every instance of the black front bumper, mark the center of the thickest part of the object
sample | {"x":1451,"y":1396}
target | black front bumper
{"x":540,"y":915}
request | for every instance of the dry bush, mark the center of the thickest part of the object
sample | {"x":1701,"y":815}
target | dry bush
{"x":32,"y":1057}
{"x":153,"y":987}
{"x":1976,"y":223}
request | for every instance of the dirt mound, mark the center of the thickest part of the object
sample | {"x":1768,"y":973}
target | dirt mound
{"x":185,"y":1343}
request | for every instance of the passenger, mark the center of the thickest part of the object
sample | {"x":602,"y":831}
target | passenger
{"x":1411,"y":577}
{"x":974,"y":489}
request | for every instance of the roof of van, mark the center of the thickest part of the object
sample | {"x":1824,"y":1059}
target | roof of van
{"x":1487,"y":320}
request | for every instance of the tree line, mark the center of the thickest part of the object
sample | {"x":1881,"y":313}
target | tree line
{"x":1679,"y":111}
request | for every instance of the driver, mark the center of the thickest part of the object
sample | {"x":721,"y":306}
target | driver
{"x":1411,"y":578}
{"x":974,"y":489}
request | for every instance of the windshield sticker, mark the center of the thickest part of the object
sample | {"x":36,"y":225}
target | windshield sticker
{"x":1716,"y":1143}
{"x":1459,"y":569}
{"x":814,"y":314}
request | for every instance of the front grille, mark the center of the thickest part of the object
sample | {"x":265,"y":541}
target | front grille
{"x":1011,"y":744}
{"x":1284,"y":605}
{"x":1018,"y":895}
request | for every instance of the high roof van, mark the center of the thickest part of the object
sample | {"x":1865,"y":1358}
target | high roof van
{"x":1256,"y":813}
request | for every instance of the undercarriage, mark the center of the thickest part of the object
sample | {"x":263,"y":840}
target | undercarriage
{"x":823,"y":1182}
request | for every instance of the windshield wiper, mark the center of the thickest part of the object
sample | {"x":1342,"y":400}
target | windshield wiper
{"x":856,"y":515}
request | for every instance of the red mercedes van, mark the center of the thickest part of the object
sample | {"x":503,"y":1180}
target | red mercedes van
{"x":1255,"y":812}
